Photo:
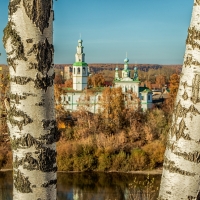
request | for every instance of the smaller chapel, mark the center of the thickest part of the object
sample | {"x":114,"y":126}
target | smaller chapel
{"x":74,"y":97}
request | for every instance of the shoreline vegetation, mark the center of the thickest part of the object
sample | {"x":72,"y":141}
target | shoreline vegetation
{"x":147,"y":172}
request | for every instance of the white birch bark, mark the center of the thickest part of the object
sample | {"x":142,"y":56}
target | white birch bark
{"x":30,"y":106}
{"x":181,"y":171}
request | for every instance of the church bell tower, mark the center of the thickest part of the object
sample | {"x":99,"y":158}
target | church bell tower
{"x":80,"y":69}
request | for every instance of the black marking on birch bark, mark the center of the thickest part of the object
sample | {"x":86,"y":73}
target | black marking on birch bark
{"x":21,"y":183}
{"x":192,"y":157}
{"x":195,"y":89}
{"x":30,"y":40}
{"x":25,"y":119}
{"x":40,"y":104}
{"x":39,"y":12}
{"x":51,"y":182}
{"x":17,"y":163}
{"x":53,"y":132}
{"x":181,"y":111}
{"x":20,"y":80}
{"x":193,"y":34}
{"x":16,"y":97}
{"x":185,"y":96}
{"x":170,"y":146}
{"x":197,"y":3}
{"x":44,"y":55}
{"x":184,"y":84}
{"x":44,"y":160}
{"x":29,"y":94}
{"x":191,"y":197}
{"x":13,"y":6}
{"x":28,"y":141}
{"x":180,"y":131}
{"x":24,"y":142}
{"x":18,"y":48}
{"x":190,"y":61}
{"x":47,"y":160}
{"x":170,"y":166}
{"x":43,"y":81}
{"x":198,"y":196}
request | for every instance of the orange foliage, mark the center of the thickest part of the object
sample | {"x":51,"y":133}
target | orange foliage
{"x":96,"y":80}
{"x":69,"y":83}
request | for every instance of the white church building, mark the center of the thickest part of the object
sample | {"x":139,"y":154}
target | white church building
{"x":78,"y":96}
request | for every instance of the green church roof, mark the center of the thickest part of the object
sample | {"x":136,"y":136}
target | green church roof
{"x":80,"y":64}
{"x":144,"y":89}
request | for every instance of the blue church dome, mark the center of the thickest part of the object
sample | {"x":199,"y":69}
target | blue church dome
{"x":126,"y":60}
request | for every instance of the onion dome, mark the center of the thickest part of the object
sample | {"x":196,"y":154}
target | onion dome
{"x":126,"y":60}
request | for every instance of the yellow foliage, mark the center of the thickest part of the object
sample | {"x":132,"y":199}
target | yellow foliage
{"x":61,"y":125}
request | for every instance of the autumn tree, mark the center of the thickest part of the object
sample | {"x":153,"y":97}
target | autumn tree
{"x":58,"y":79}
{"x":112,"y":106}
{"x":181,"y":168}
{"x":69,"y":83}
{"x":96,"y":80}
{"x":160,"y":80}
{"x":173,"y":89}
{"x":30,"y":105}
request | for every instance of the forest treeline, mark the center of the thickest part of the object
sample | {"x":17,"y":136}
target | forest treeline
{"x":118,"y":138}
{"x":148,"y":74}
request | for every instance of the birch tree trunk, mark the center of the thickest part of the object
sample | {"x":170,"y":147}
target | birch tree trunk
{"x":181,"y":173}
{"x":30,"y":106}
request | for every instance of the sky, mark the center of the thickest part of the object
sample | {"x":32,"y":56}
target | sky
{"x":149,"y":31}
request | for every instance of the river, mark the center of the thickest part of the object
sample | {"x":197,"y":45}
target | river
{"x":95,"y":186}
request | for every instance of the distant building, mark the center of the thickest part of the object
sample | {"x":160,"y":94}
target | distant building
{"x":79,"y":95}
{"x":132,"y":85}
{"x":67,"y":72}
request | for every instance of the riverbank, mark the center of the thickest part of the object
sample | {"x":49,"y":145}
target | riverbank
{"x":151,"y":172}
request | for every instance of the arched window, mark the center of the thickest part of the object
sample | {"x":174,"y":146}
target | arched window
{"x":79,"y":71}
{"x":84,"y":71}
{"x":74,"y":70}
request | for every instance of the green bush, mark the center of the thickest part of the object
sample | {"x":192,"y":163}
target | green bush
{"x":84,"y":163}
{"x":104,"y":162}
{"x":64,"y":162}
{"x":119,"y":161}
{"x":155,"y":151}
{"x":138,"y":160}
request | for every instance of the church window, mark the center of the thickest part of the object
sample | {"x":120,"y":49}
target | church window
{"x":84,"y":71}
{"x":79,"y":71}
{"x":149,"y":97}
{"x":142,"y":97}
{"x":74,"y":70}
{"x":69,"y":99}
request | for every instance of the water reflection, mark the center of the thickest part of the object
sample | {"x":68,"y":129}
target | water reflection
{"x":86,"y":186}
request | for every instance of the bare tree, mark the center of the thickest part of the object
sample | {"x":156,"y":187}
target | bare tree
{"x":180,"y":178}
{"x":30,"y":105}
